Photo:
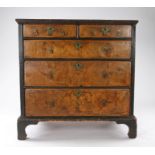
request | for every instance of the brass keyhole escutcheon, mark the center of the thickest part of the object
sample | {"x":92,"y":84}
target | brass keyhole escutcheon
{"x":78,"y":45}
{"x":50,"y":30}
{"x":78,"y":66}
{"x":78,"y":93}
{"x":105,"y":30}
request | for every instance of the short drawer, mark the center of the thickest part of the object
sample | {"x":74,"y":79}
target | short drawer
{"x":77,"y":73}
{"x":77,"y":49}
{"x":77,"y":102}
{"x":105,"y":31}
{"x":49,"y":30}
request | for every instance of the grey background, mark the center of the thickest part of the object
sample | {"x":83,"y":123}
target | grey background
{"x":72,"y":133}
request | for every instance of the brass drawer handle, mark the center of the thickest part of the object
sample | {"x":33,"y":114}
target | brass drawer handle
{"x":78,"y":93}
{"x":105,"y":30}
{"x":78,"y":66}
{"x":50,"y":30}
{"x":78,"y":45}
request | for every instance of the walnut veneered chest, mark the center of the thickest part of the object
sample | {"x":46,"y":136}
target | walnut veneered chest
{"x":76,"y":70}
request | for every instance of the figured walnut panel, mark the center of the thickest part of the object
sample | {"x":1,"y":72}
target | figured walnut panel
{"x":106,"y":31}
{"x":76,"y":49}
{"x":77,"y":73}
{"x":76,"y":102}
{"x":49,"y":30}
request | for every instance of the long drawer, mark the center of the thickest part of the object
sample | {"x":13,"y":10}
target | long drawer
{"x":77,"y":102}
{"x":77,"y":49}
{"x":77,"y":73}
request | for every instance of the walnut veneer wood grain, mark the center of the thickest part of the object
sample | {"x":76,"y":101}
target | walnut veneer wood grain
{"x":77,"y":102}
{"x":76,"y":49}
{"x":49,"y":30}
{"x":77,"y":73}
{"x":106,"y":31}
{"x":76,"y":70}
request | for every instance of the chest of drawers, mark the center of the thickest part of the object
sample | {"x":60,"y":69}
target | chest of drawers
{"x":76,"y":70}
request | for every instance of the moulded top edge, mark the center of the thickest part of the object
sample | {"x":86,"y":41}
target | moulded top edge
{"x":75,"y":21}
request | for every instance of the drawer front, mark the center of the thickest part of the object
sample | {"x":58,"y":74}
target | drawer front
{"x":76,"y":49}
{"x":106,"y":31}
{"x":77,"y":73}
{"x":49,"y":30}
{"x":77,"y":102}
